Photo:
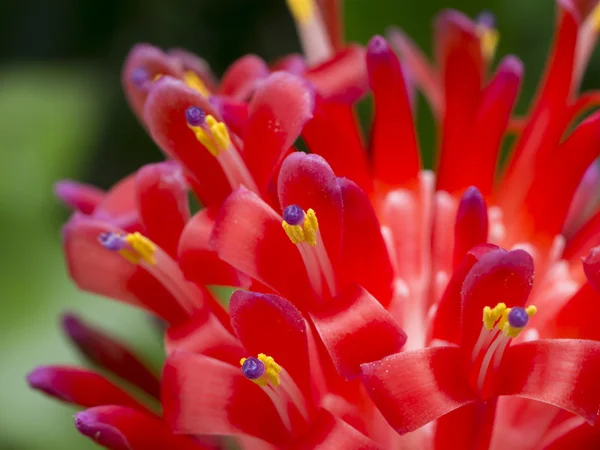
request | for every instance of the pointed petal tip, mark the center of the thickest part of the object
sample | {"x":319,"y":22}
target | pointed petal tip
{"x":87,"y":423}
{"x":41,"y":378}
{"x":377,"y":46}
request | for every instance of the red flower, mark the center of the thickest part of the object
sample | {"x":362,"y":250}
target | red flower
{"x":365,"y":277}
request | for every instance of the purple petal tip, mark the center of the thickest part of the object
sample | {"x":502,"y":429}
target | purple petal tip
{"x":378,"y":47}
{"x":106,"y":435}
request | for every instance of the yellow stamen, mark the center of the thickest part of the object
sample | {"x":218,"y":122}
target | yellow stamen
{"x":142,"y":249}
{"x":193,"y":81}
{"x":306,"y":232}
{"x":595,"y":17}
{"x":272,"y":371}
{"x":491,"y":315}
{"x":302,"y":10}
{"x":489,"y":38}
{"x":218,"y":140}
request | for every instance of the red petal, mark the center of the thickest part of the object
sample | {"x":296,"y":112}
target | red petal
{"x":448,"y":314}
{"x":107,"y":352}
{"x":561,"y":372}
{"x":419,"y":69}
{"x":165,"y":116}
{"x":119,"y":206}
{"x":365,"y":258}
{"x":163,"y":204}
{"x":308,"y":181}
{"x":199,"y":262}
{"x":591,"y":267}
{"x":411,"y":389}
{"x":270,"y":324}
{"x":356,"y":329}
{"x":204,"y":396}
{"x":393,"y":140}
{"x":234,"y":113}
{"x":547,"y":202}
{"x":78,"y":196}
{"x":80,"y":387}
{"x":97,"y":270}
{"x":468,"y":427}
{"x":248,"y":235}
{"x":583,"y":436}
{"x":283,"y":103}
{"x":292,"y":63}
{"x":155,"y":62}
{"x":119,"y":428}
{"x":546,"y":124}
{"x":584,"y":240}
{"x":479,"y":158}
{"x":471,"y":227}
{"x":204,"y":334}
{"x":498,"y":277}
{"x":242,"y":77}
{"x":578,"y":318}
{"x":459,"y":55}
{"x":342,"y":78}
{"x":333,"y":133}
{"x":332,"y":13}
{"x":194,"y":63}
{"x":330,"y":433}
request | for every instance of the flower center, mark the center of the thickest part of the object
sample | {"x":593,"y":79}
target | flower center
{"x":303,"y":230}
{"x":500,"y":326}
{"x":214,"y":136}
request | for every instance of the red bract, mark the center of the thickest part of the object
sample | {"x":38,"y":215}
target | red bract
{"x":383,"y":305}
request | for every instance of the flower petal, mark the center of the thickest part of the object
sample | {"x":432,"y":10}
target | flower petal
{"x":270,"y":324}
{"x":165,"y":115}
{"x":471,"y":226}
{"x":80,"y":387}
{"x":78,"y":196}
{"x":107,"y":352}
{"x":365,"y":258}
{"x":97,"y":270}
{"x":561,"y":372}
{"x":498,"y":277}
{"x":248,"y":235}
{"x":459,"y":56}
{"x":194,"y":63}
{"x":334,"y":134}
{"x":121,"y":428}
{"x":163,"y":203}
{"x":204,"y":396}
{"x":243,"y":76}
{"x":393,"y":140}
{"x":356,"y":329}
{"x":330,"y":433}
{"x":119,"y":206}
{"x":413,"y":388}
{"x":342,"y":78}
{"x":283,"y":103}
{"x":199,"y":262}
{"x":578,"y":318}
{"x":468,"y":427}
{"x":152,"y":61}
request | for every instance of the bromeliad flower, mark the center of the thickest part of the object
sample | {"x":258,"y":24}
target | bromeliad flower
{"x":377,"y":297}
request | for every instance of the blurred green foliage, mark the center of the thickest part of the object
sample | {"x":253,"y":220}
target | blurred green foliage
{"x":62,"y":116}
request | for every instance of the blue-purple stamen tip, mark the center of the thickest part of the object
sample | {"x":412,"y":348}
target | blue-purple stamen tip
{"x":112,"y":241}
{"x":486,"y":19}
{"x":293,"y":215}
{"x":518,"y":317}
{"x":253,"y":368}
{"x":139,"y":76}
{"x":195,"y":116}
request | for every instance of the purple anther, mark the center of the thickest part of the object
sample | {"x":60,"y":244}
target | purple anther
{"x":253,"y":368}
{"x":195,"y":116}
{"x":518,"y":317}
{"x":112,"y":241}
{"x":140,"y":76}
{"x":486,"y":19}
{"x":293,"y":215}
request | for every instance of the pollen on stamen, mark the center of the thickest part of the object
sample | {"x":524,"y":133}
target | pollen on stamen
{"x":195,"y":116}
{"x":262,"y":370}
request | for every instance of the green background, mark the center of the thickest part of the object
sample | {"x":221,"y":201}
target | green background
{"x":62,"y":115}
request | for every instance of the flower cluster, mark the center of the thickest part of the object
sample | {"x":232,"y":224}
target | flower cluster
{"x":376,"y":304}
